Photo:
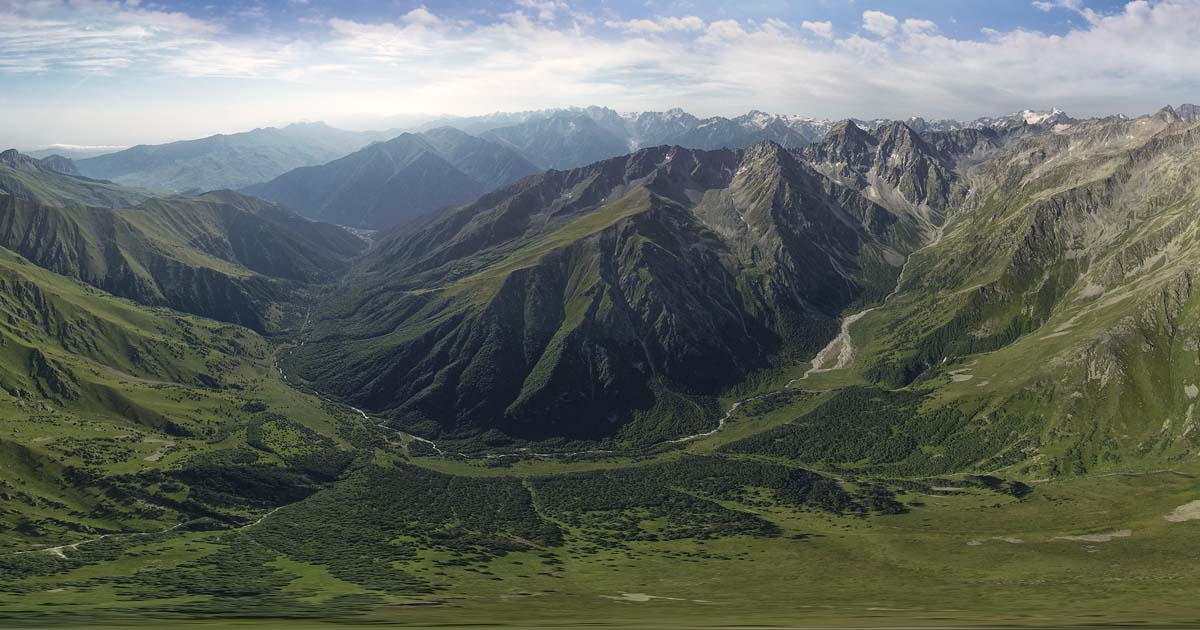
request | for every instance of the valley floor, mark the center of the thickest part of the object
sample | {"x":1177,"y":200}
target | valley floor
{"x":1106,"y":550}
{"x":1111,"y":548}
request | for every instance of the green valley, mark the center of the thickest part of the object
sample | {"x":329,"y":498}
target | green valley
{"x":892,"y":378}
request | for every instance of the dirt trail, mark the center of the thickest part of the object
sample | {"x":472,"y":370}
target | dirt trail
{"x":163,"y":447}
{"x":60,"y":550}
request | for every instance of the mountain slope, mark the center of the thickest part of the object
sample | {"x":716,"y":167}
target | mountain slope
{"x":1058,"y":313}
{"x":610,"y":301}
{"x":55,"y":181}
{"x":221,"y":255}
{"x":225,"y":161}
{"x":394,"y":181}
{"x":120,"y":418}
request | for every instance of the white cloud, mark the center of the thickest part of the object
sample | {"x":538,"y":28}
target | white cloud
{"x":686,"y":23}
{"x":820,"y":29}
{"x":421,"y":15}
{"x":723,"y":31}
{"x":92,"y":36}
{"x":879,"y":23}
{"x":918,"y":27}
{"x":658,"y":25}
{"x":1070,"y":5}
{"x":546,"y":10}
{"x":1050,"y":5}
{"x":1132,"y":60}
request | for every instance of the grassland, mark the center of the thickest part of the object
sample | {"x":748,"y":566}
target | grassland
{"x":969,"y":557}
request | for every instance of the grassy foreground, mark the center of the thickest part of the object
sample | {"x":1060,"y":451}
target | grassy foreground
{"x":1097,"y":550}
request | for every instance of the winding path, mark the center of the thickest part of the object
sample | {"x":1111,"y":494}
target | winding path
{"x":60,"y":549}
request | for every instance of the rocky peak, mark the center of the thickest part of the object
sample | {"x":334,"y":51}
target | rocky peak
{"x":1188,"y":112}
{"x":1168,"y":115}
{"x":15,"y":159}
{"x":59,"y":164}
{"x":845,"y":143}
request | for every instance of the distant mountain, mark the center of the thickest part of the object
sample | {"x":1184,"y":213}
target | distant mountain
{"x":1029,"y":117}
{"x":55,"y":181}
{"x":752,"y":128}
{"x":476,"y":125}
{"x":73,"y":151}
{"x":567,"y":138}
{"x":226,"y":161}
{"x":611,"y":301}
{"x":221,"y":255}
{"x":563,"y":140}
{"x":391,"y":182}
{"x":60,"y":164}
{"x":1189,"y":113}
{"x":650,"y":129}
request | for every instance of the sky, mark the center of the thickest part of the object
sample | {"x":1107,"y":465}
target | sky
{"x":121,"y":72}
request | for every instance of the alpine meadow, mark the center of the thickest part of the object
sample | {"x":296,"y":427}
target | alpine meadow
{"x":605,"y":314}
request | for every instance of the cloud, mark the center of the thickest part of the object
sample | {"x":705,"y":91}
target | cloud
{"x":1133,"y":59}
{"x":93,"y":36}
{"x":1070,"y":5}
{"x":879,"y":23}
{"x":820,"y":29}
{"x":658,"y":25}
{"x":422,"y":16}
{"x":918,"y":27}
{"x":546,"y":10}
{"x":723,"y":31}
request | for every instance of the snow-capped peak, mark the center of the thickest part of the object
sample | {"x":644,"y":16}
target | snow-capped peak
{"x":1032,"y":117}
{"x":759,"y":119}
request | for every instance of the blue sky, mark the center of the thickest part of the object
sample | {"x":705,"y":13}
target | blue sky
{"x":127,"y":71}
{"x":959,"y":18}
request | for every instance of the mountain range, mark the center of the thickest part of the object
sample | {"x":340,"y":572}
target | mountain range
{"x":571,"y":137}
{"x":225,"y":161}
{"x":592,"y":302}
{"x":394,"y":181}
{"x":877,"y":355}
{"x":415,"y":173}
